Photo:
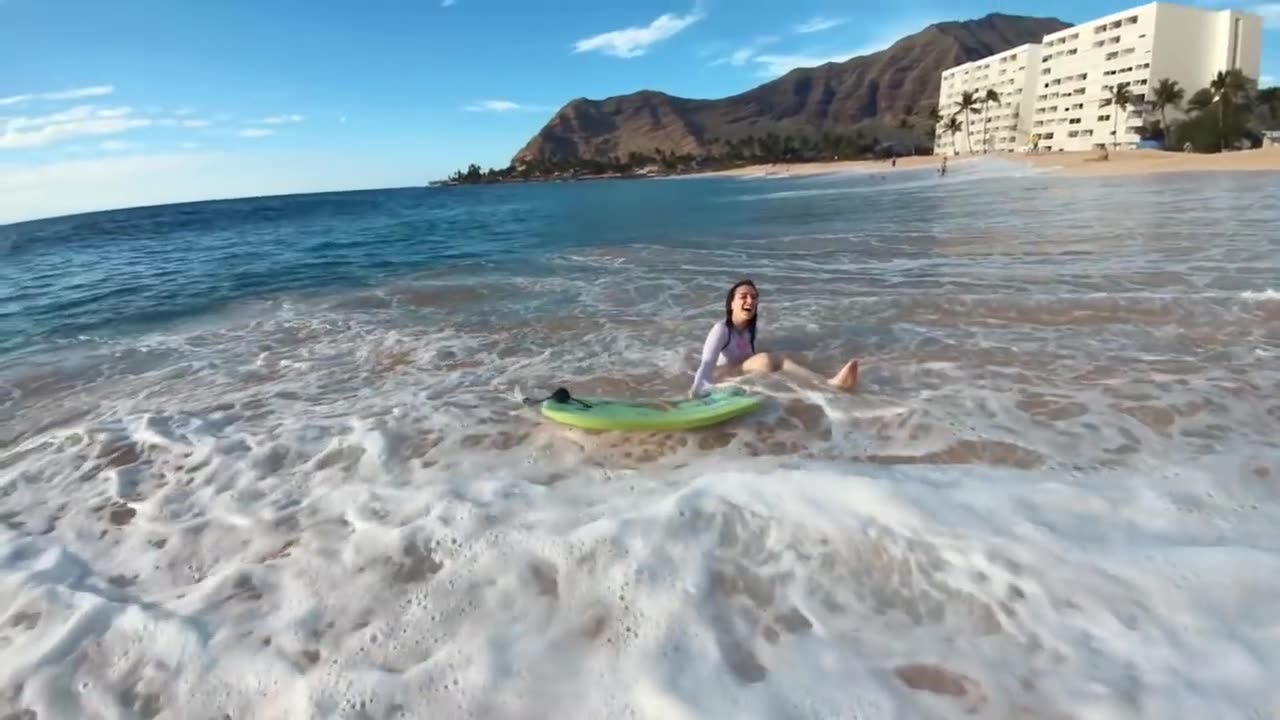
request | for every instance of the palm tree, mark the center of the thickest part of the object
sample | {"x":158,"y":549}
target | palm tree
{"x":1269,"y":98}
{"x":991,"y":97}
{"x":1119,"y":98}
{"x":1167,"y":93}
{"x":967,"y":103}
{"x":1229,"y":88}
{"x":953,"y":126}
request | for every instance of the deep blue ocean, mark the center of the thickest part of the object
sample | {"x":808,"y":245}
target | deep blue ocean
{"x":268,"y":457}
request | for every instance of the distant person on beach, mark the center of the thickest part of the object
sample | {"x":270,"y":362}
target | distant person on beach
{"x":942,"y":169}
{"x":730,"y":347}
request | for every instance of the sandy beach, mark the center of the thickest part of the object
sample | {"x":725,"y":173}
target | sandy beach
{"x":1081,"y":164}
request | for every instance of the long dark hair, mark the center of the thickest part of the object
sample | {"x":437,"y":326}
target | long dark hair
{"x":728,"y":311}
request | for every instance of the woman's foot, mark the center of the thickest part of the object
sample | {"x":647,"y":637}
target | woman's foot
{"x":847,"y":378}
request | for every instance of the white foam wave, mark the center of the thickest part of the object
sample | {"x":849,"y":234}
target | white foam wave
{"x":242,"y":584}
{"x":1267,"y":294}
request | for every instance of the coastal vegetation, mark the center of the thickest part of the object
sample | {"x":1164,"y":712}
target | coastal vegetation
{"x":721,"y":154}
{"x":1231,"y":111}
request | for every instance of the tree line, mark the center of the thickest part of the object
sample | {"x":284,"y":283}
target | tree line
{"x":719,"y":153}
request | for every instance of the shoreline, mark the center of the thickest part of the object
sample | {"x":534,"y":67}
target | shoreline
{"x":1063,"y":164}
{"x":1068,"y":164}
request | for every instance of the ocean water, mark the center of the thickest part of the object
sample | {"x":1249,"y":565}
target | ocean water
{"x":266,"y":458}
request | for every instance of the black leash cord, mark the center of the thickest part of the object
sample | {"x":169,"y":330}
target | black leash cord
{"x":561,"y":395}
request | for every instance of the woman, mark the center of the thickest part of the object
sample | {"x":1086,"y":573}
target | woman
{"x":731,"y":346}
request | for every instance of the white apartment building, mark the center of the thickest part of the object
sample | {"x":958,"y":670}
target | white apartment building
{"x":1008,"y":73}
{"x":1076,"y":69}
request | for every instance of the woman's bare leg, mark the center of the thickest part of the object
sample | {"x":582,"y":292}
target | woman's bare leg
{"x":846,"y":379}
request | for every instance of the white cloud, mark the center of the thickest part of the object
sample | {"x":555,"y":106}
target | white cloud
{"x":1270,"y":13}
{"x":73,"y":94}
{"x":775,"y":65}
{"x":81,"y":120}
{"x":636,"y":41}
{"x":818,"y":24}
{"x":185,"y":110}
{"x":80,"y":185}
{"x":71,"y":184}
{"x":256,"y":132}
{"x":283,"y":119}
{"x":771,"y":66}
{"x":743,"y":55}
{"x":195,"y":123}
{"x":502,"y":106}
{"x":493,"y":106}
{"x":117,"y":145}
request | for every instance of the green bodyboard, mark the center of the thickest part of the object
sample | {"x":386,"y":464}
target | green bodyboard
{"x":717,"y":406}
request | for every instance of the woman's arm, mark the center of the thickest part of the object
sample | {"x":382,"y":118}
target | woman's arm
{"x":707,"y":365}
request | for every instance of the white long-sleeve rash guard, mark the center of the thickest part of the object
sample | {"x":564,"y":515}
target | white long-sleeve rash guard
{"x":725,"y":345}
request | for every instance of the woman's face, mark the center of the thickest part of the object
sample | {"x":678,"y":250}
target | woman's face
{"x":744,"y":303}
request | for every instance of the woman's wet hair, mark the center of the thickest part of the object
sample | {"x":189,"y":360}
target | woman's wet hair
{"x":728,"y":309}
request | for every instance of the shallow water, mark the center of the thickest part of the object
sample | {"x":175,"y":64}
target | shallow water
{"x":267,"y":458}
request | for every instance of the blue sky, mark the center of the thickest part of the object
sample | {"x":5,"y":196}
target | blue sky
{"x":110,"y":104}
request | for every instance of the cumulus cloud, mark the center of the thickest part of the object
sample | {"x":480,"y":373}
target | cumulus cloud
{"x":635,"y":41}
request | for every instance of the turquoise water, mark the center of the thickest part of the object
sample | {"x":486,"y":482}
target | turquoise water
{"x":269,"y":453}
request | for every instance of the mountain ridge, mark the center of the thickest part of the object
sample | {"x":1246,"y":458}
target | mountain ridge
{"x":865,"y":93}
